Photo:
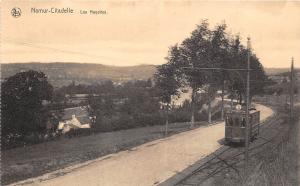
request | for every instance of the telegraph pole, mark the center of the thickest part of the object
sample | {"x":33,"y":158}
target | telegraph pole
{"x":292,"y":90}
{"x":247,"y":106}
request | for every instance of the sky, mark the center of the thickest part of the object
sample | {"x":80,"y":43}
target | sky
{"x":141,"y":32}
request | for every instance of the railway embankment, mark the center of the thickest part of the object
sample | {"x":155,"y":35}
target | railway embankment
{"x":277,"y":164}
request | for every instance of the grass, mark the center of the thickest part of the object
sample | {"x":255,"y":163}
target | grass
{"x":279,"y":164}
{"x":276,"y":168}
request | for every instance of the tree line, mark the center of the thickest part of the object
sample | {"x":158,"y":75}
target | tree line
{"x":209,"y":48}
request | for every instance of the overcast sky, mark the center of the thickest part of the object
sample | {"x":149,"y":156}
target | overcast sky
{"x":140,"y":32}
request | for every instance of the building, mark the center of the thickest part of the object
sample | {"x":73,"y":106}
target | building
{"x":75,"y":118}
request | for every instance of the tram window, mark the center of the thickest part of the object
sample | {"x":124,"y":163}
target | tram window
{"x":236,"y":121}
{"x":243,"y":122}
{"x":229,"y":121}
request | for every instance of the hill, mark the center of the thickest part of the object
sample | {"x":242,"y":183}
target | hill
{"x":277,"y":71}
{"x":61,"y":74}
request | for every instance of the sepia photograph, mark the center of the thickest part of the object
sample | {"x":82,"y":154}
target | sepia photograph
{"x":150,"y":93}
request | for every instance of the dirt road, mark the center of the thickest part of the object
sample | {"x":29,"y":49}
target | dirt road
{"x":148,"y":164}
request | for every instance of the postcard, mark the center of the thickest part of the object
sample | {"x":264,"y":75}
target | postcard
{"x":142,"y":93}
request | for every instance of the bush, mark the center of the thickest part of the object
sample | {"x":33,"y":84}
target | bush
{"x":13,"y":141}
{"x":123,"y":121}
{"x":180,"y":115}
{"x":102,"y":124}
{"x":79,"y":132}
{"x":149,"y":119}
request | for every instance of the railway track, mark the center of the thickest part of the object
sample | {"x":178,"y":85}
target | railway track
{"x":229,"y":157}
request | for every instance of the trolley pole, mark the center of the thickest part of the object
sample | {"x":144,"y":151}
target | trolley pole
{"x":292,"y":90}
{"x":247,"y":107}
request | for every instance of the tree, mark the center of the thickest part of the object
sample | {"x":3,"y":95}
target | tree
{"x":210,"y":92}
{"x":195,"y":52}
{"x":167,"y":79}
{"x":237,"y":79}
{"x":221,"y":58}
{"x":204,"y":48}
{"x":22,"y":109}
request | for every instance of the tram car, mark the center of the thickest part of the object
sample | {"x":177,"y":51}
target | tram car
{"x":235,"y":125}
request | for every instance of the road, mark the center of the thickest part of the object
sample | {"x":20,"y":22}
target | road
{"x":148,"y":164}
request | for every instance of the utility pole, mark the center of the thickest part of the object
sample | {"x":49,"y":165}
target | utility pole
{"x":247,"y":107}
{"x":292,"y":90}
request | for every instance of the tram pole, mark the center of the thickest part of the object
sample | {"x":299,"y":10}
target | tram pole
{"x":247,"y":107}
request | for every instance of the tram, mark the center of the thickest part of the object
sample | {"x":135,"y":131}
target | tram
{"x":235,"y":125}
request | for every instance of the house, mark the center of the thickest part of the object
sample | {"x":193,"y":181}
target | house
{"x":79,"y":98}
{"x":75,"y":118}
